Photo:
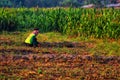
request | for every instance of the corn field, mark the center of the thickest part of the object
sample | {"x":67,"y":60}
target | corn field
{"x":97,"y":23}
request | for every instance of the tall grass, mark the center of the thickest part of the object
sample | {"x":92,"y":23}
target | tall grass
{"x":98,"y":23}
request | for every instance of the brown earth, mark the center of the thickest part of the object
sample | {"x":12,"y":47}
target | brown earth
{"x":53,"y":66}
{"x":38,"y":64}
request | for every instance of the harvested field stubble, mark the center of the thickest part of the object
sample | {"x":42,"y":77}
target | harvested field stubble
{"x":56,"y":61}
{"x":59,"y":66}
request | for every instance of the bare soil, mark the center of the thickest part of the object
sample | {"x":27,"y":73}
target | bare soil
{"x":37,"y":64}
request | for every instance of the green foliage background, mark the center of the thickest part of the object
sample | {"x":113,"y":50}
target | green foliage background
{"x":99,"y":23}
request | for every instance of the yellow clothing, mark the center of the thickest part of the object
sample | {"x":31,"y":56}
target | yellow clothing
{"x":30,"y":39}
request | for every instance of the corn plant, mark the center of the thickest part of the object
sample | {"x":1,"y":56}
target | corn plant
{"x":98,"y":23}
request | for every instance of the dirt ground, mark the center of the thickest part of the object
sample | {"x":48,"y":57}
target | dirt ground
{"x":50,"y":66}
{"x":18,"y":63}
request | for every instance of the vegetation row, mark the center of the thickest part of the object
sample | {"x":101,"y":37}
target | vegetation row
{"x":98,"y":23}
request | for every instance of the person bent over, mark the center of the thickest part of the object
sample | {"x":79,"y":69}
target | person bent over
{"x":31,"y":40}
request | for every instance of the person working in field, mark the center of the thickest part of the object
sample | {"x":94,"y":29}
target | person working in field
{"x":31,"y":40}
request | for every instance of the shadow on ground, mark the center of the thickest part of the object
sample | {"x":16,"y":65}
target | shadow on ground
{"x":62,"y":44}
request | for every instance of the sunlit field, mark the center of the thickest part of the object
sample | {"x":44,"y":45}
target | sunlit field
{"x":75,"y":44}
